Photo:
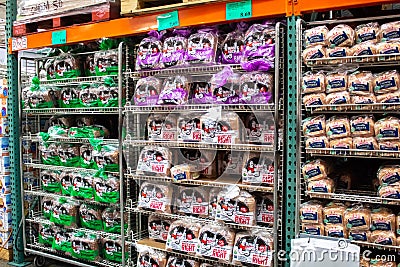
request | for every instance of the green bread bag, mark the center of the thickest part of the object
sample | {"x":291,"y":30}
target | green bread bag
{"x":65,"y":213}
{"x":82,"y":185}
{"x":106,"y":187}
{"x":69,"y":155}
{"x":48,"y":206}
{"x":112,"y":220}
{"x":85,"y":246}
{"x":66,"y":183}
{"x":50,"y":181}
{"x":62,"y":240}
{"x":112,"y":249}
{"x":49,"y":154}
{"x":90,"y":217}
{"x":107,"y":158}
{"x":46,"y":234}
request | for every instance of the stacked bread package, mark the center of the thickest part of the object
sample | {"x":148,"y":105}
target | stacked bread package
{"x":316,"y":173}
{"x":183,"y":236}
{"x":157,"y":197}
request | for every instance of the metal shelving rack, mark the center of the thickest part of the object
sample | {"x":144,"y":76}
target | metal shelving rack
{"x":135,"y":140}
{"x":303,"y":153}
{"x":35,"y":217}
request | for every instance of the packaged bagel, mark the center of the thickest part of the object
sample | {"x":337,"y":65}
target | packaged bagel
{"x":49,"y":154}
{"x":69,"y":98}
{"x":221,"y":128}
{"x":48,"y":206}
{"x":158,"y":228}
{"x":90,"y":217}
{"x":225,"y":86}
{"x":361,"y":83}
{"x":341,"y":35}
{"x":335,"y":230}
{"x":193,"y":201}
{"x":201,"y":91}
{"x":313,"y":229}
{"x":69,"y":155}
{"x":365,"y":143}
{"x":147,"y":91}
{"x":216,"y":242}
{"x":389,"y":98}
{"x":175,"y":91}
{"x":314,"y":126}
{"x":359,"y":235}
{"x":88,"y":95}
{"x":362,"y":126}
{"x":313,"y":82}
{"x":387,"y":129}
{"x":314,"y":99}
{"x":183,"y":236}
{"x":155,"y":197}
{"x":202,"y":46}
{"x":383,"y":219}
{"x":316,"y":36}
{"x":357,"y":217}
{"x":338,"y":127}
{"x":85,"y":246}
{"x":162,"y":127}
{"x":260,"y":129}
{"x":386,"y":82}
{"x":341,"y":143}
{"x":326,"y":185}
{"x":86,"y":157}
{"x":174,"y":50}
{"x":312,"y":53}
{"x":363,"y":99}
{"x":150,"y":257}
{"x":390,"y":31}
{"x":67,"y":66}
{"x":369,"y":32}
{"x":383,"y":238}
{"x":233,"y":46}
{"x":389,"y":174}
{"x":338,"y":98}
{"x":316,"y":170}
{"x":392,"y":145}
{"x":311,"y":212}
{"x":336,"y":82}
{"x":317,"y":142}
{"x":333,"y":213}
{"x":389,"y":191}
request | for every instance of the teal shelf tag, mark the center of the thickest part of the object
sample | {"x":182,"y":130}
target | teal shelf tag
{"x":239,"y":10}
{"x":168,"y":20}
{"x":59,"y":37}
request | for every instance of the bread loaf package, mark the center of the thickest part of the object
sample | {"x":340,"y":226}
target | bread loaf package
{"x":192,"y":201}
{"x":106,"y":188}
{"x":200,"y":162}
{"x":155,"y":197}
{"x":233,"y":46}
{"x":342,"y":143}
{"x":67,"y":66}
{"x":184,"y":172}
{"x":265,"y":209}
{"x":382,"y":263}
{"x":253,"y":248}
{"x":174,"y":51}
{"x":162,"y":127}
{"x":86,"y":156}
{"x":175,"y":261}
{"x":383,"y":219}
{"x":361,"y":83}
{"x":316,"y":170}
{"x":387,"y":129}
{"x":357,"y":217}
{"x":338,"y":53}
{"x":316,"y":36}
{"x":326,"y":185}
{"x":111,"y":218}
{"x":69,"y":155}
{"x":386,"y":82}
{"x":313,"y":82}
{"x":256,"y":88}
{"x":387,"y":49}
{"x":311,"y":212}
{"x":335,"y":230}
{"x":260,"y":128}
{"x":225,"y":86}
{"x":336,"y":82}
{"x":363,"y":50}
{"x":88,"y":95}
{"x":363,"y":99}
{"x":313,"y":229}
{"x":362,"y":126}
{"x":153,"y":258}
{"x":90,"y":217}
{"x":108,"y":94}
{"x":314,"y":126}
{"x":183,"y":236}
{"x":65,"y":212}
{"x":369,"y":32}
{"x":216,"y":242}
{"x":85,"y":246}
{"x":189,"y":128}
{"x":258,"y":169}
{"x":317,"y":142}
{"x":338,"y":98}
{"x":201,"y":91}
{"x":50,"y":181}
{"x":237,"y":206}
{"x":158,"y":228}
{"x":154,"y":160}
{"x":175,"y":91}
{"x":365,"y":143}
{"x":82,"y":185}
{"x":213,"y":202}
{"x":390,"y":31}
{"x":62,"y":240}
{"x":112,"y":248}
{"x":389,"y":98}
{"x":389,"y":174}
{"x":314,"y":99}
{"x":222,"y":128}
{"x":49,"y":154}
{"x":359,"y":235}
{"x":389,"y":191}
{"x":69,"y":98}
{"x":338,"y":127}
{"x":393,"y":145}
{"x":364,"y":262}
{"x":46,"y":234}
{"x":149,"y":52}
{"x":387,"y":238}
{"x":65,"y":179}
{"x":147,"y":91}
{"x":47,"y":206}
{"x":333,"y":213}
{"x":312,"y":54}
{"x":202,"y":47}
{"x":341,"y":35}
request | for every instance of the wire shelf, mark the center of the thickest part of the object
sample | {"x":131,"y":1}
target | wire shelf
{"x":36,"y":138}
{"x":63,"y":111}
{"x":203,"y":145}
{"x":220,"y":182}
{"x":77,"y":81}
{"x":355,"y":196}
{"x":361,"y":61}
{"x":357,"y":153}
{"x":133,"y":208}
{"x":62,"y":168}
{"x":356,"y":108}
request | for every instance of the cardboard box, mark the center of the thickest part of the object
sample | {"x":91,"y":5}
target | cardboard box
{"x":5,"y":221}
{"x":4,"y":236}
{"x":5,"y":184}
{"x":5,"y":203}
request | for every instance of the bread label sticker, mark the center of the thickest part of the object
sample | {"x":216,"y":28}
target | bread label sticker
{"x":389,"y":35}
{"x":252,"y":250}
{"x":337,"y":129}
{"x":366,"y":36}
{"x":309,"y":215}
{"x":313,"y":230}
{"x":358,"y":236}
{"x":152,"y":197}
{"x":191,"y":201}
{"x":336,"y":232}
{"x":388,"y":132}
{"x":309,"y":84}
{"x":380,"y":224}
{"x":386,"y":82}
{"x":230,"y":210}
{"x":316,"y":143}
{"x":311,"y":171}
{"x":315,"y":37}
{"x":314,"y":127}
{"x":390,"y":178}
{"x":359,"y":87}
{"x":333,"y":219}
{"x":317,"y":54}
{"x":388,"y":146}
{"x":356,"y":221}
{"x":339,"y":38}
{"x":383,"y":240}
{"x":265,"y":211}
{"x":334,"y":84}
{"x":389,"y":50}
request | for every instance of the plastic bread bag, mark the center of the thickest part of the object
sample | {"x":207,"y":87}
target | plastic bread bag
{"x":106,"y":158}
{"x":338,"y":98}
{"x":89,"y":66}
{"x":360,"y":83}
{"x":50,"y":181}
{"x":147,"y":91}
{"x":363,"y":49}
{"x":260,"y":128}
{"x":49,"y":154}
{"x":314,"y":126}
{"x":387,"y":238}
{"x":390,"y":31}
{"x":162,"y":127}
{"x":46,"y":234}
{"x":314,"y":99}
{"x":333,"y":213}
{"x":175,"y":48}
{"x":106,"y":188}
{"x":316,"y":170}
{"x":65,"y":212}
{"x":387,"y":129}
{"x":362,"y":126}
{"x":149,"y":257}
{"x":69,"y":155}
{"x":338,"y":127}
{"x":258,"y":169}
{"x":112,"y":249}
{"x":201,"y":91}
{"x":317,"y":142}
{"x":336,"y":82}
{"x":189,"y":127}
{"x":82,"y":185}
{"x":86,"y":157}
{"x":341,"y":143}
{"x":225,"y":86}
{"x":369,"y":32}
{"x":389,"y":191}
{"x":313,"y":82}
{"x":38,"y":96}
{"x":62,"y":121}
{"x":106,"y":60}
{"x":175,"y":91}
{"x":259,"y":50}
{"x":221,"y":128}
{"x":158,"y":228}
{"x":67,"y":66}
{"x":149,"y":52}
{"x":85,"y":246}
{"x":202,"y":46}
{"x":265,"y":209}
{"x":392,"y":145}
{"x":365,"y":143}
{"x":233,"y":45}
{"x":391,"y":47}
{"x":156,"y":197}
{"x":313,"y":229}
{"x":192,"y":201}
{"x":386,"y":82}
{"x":111,"y":218}
{"x":363,"y":99}
{"x":341,"y":35}
{"x":389,"y":98}
{"x":326,"y":185}
{"x":47,"y":206}
{"x":62,"y":240}
{"x":90,"y":217}
{"x":88,"y":96}
{"x":357,"y":217}
{"x":154,"y":161}
{"x":180,"y":261}
{"x":383,"y":219}
{"x":316,"y":36}
{"x":183,"y":236}
{"x":256,"y":88}
{"x":389,"y":174}
{"x":69,"y":97}
{"x":108,"y":94}
{"x":65,"y":179}
{"x":312,"y":53}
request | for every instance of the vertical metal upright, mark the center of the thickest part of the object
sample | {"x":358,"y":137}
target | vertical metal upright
{"x":14,"y":124}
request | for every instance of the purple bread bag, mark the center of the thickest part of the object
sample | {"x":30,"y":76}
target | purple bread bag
{"x":149,"y":52}
{"x":174,"y":51}
{"x":175,"y":91}
{"x":202,"y":47}
{"x":201,"y":91}
{"x":256,"y":88}
{"x":225,"y":86}
{"x":147,"y":91}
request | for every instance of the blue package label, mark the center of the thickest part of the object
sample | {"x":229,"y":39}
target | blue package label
{"x":337,"y":83}
{"x":312,"y":83}
{"x":313,"y":231}
{"x":338,"y":130}
{"x":318,"y":54}
{"x":340,"y":39}
{"x":318,"y":38}
{"x":340,"y":100}
{"x":392,"y":35}
{"x":336,"y":233}
{"x":360,"y":127}
{"x":388,"y":147}
{"x":365,"y":146}
{"x":313,"y":172}
{"x":362,"y":37}
{"x":385,"y":84}
{"x":391,"y":178}
{"x":381,"y":226}
{"x":339,"y":53}
{"x":319,"y":189}
{"x":317,"y":144}
{"x":361,"y":236}
{"x":391,"y":51}
{"x":365,"y":52}
{"x":360,"y":87}
{"x":389,"y":133}
{"x":309,"y":216}
{"x":356,"y":222}
{"x":316,"y":127}
{"x":334,"y":219}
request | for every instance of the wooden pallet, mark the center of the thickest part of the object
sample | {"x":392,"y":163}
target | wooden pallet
{"x":101,"y":12}
{"x":133,"y":7}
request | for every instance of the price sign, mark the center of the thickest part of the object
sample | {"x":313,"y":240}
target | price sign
{"x":19,"y":43}
{"x":59,"y":37}
{"x":168,"y":20}
{"x":239,"y":10}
